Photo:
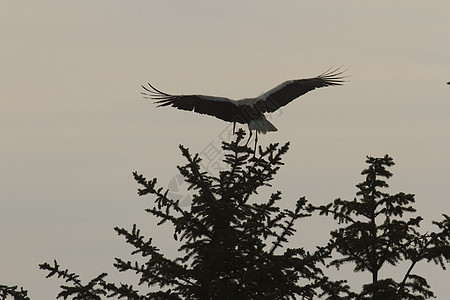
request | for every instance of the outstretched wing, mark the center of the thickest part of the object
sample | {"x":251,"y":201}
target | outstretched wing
{"x":292,"y":89}
{"x":219,"y":107}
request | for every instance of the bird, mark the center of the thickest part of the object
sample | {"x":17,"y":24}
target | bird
{"x":248,"y":111}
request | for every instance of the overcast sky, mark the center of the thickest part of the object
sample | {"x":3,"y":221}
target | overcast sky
{"x":73,"y":125}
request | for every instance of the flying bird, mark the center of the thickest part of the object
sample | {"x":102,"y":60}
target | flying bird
{"x":248,"y":111}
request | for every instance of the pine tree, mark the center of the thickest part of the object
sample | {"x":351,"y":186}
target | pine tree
{"x":230,"y":247}
{"x":376,"y":234}
{"x":13,"y":291}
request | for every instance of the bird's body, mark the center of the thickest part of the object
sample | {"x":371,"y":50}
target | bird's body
{"x":249,"y":110}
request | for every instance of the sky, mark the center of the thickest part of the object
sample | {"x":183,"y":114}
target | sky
{"x":73,"y":125}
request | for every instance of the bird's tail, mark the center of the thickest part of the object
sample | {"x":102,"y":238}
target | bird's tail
{"x":262,"y":125}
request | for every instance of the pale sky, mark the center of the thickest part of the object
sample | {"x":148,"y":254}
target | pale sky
{"x":73,"y":125}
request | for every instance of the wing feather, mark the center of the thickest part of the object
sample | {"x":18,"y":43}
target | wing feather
{"x":291,"y":90}
{"x":219,"y":107}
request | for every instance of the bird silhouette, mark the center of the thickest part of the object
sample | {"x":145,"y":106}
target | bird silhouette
{"x":248,"y":111}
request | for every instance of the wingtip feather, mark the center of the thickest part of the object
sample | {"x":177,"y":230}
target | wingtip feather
{"x":153,"y":93}
{"x":334,"y":76}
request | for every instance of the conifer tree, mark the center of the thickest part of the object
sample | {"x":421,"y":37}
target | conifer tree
{"x":233,"y":247}
{"x":376,"y":233}
{"x":230,"y":247}
{"x":14,"y":292}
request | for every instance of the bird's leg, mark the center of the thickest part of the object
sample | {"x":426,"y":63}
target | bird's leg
{"x":234,"y":126}
{"x":249,"y":137}
{"x":256,"y":140}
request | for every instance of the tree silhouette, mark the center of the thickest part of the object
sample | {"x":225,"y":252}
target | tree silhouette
{"x":230,"y":248}
{"x":13,"y":291}
{"x":234,"y":247}
{"x":376,"y":234}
